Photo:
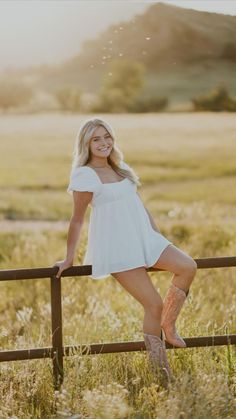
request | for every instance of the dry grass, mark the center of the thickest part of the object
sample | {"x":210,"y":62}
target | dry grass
{"x":188,"y":185}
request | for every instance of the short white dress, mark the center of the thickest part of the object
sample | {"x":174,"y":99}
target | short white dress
{"x":120,"y":234}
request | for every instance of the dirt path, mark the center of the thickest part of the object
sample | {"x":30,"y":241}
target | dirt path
{"x":20,"y":225}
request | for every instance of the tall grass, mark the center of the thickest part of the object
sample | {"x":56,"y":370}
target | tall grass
{"x":188,"y":185}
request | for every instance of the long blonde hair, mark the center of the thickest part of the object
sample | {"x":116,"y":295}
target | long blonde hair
{"x":81,"y":152}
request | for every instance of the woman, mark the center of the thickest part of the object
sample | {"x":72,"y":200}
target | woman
{"x":123,"y":239}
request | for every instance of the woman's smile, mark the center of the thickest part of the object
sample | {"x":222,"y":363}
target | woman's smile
{"x":104,"y":149}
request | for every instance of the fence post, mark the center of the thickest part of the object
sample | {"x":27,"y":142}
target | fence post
{"x":57,"y":341}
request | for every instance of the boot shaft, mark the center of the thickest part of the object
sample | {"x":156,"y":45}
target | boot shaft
{"x":173,"y":302}
{"x":157,"y":357}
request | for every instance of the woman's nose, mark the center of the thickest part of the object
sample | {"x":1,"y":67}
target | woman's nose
{"x":105,"y":142}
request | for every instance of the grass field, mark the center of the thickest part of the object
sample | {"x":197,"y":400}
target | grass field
{"x":186,"y":163}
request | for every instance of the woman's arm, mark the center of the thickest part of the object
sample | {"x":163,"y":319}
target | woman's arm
{"x":73,"y":236}
{"x":81,"y":201}
{"x":154,"y":226}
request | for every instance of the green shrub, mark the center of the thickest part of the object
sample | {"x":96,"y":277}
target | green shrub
{"x":148,"y":104}
{"x":217,"y":99}
{"x":112,"y":100}
{"x":69,"y":98}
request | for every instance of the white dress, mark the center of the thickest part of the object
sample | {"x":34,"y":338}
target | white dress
{"x":120,"y":235}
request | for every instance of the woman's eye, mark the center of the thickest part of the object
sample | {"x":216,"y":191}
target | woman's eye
{"x":96,"y":139}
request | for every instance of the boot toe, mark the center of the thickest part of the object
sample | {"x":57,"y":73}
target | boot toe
{"x":172,"y":337}
{"x":179,"y":343}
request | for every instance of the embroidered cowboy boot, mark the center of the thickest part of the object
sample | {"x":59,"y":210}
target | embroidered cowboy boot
{"x":173,"y":302}
{"x":157,"y":357}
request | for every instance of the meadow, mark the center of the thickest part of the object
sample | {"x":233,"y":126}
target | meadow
{"x":186,"y":164}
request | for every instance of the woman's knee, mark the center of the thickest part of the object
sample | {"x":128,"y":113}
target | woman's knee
{"x":154,"y":307}
{"x":189,"y":268}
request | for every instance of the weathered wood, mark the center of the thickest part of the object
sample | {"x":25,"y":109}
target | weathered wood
{"x":57,"y":340}
{"x":114,"y":347}
{"x":84,"y":270}
{"x":57,"y":351}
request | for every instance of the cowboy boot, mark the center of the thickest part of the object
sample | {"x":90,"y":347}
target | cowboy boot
{"x":157,"y":357}
{"x":173,"y":302}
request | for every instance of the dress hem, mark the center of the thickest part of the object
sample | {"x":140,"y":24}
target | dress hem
{"x":104,"y":276}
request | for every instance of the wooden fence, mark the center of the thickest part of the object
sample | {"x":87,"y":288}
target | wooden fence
{"x":57,"y":351}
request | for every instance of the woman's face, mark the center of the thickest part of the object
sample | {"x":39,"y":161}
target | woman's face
{"x":101,"y":142}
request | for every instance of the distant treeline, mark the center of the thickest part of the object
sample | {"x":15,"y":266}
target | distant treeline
{"x":122,"y":89}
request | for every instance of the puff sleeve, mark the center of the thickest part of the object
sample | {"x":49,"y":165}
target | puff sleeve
{"x":82,"y":179}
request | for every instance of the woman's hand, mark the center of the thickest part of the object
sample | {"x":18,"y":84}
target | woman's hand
{"x":63,"y":264}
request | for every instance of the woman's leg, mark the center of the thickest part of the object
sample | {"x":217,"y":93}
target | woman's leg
{"x":138,"y":283}
{"x":180,"y":263}
{"x":184,"y":268}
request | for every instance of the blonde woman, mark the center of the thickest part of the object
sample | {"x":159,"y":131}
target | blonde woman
{"x":123,"y":239}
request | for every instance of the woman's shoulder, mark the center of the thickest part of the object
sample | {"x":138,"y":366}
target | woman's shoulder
{"x":83,"y":179}
{"x":84,"y":171}
{"x":79,"y":168}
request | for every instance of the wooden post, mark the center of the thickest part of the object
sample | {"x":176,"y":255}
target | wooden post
{"x":57,"y":342}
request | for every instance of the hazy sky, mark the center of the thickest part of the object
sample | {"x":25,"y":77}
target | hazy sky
{"x":34,"y":32}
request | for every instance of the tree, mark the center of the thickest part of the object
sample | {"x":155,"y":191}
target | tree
{"x":14,"y":93}
{"x":69,"y":98}
{"x":120,"y":86}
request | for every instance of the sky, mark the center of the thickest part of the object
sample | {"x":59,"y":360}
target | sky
{"x":37,"y":32}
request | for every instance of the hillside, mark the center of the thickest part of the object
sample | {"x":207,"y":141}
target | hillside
{"x":185,"y":53}
{"x":176,"y":35}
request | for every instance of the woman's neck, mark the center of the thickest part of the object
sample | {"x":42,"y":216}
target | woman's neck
{"x":97,"y":164}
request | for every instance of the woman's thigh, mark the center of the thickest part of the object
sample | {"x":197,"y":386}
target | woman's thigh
{"x":138,"y":283}
{"x":175,"y":260}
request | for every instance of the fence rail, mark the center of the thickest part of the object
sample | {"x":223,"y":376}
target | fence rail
{"x":57,"y":351}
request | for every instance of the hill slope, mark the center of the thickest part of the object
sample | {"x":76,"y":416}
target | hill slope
{"x":185,"y":52}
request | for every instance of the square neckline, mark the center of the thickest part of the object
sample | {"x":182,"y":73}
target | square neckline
{"x":107,"y":183}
